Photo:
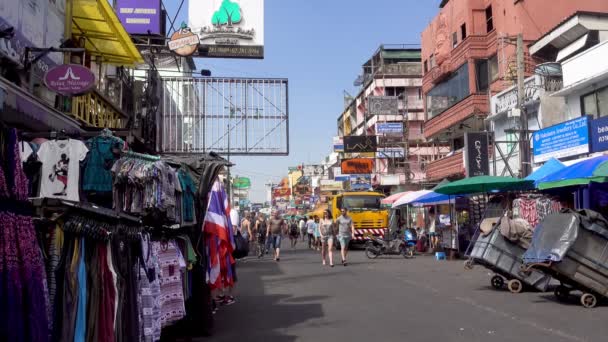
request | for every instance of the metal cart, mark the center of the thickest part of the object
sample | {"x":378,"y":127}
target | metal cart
{"x":584,"y":266}
{"x":504,"y":258}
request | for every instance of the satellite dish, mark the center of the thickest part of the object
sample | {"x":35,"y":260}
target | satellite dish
{"x":551,"y":69}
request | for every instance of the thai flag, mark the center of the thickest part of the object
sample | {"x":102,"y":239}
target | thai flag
{"x":219,"y":238}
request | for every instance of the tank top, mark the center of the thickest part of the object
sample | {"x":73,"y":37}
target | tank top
{"x":326,"y":227}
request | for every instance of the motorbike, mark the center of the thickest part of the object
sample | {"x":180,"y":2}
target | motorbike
{"x":397,"y":245}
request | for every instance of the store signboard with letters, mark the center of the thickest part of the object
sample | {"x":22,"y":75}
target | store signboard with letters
{"x":566,"y":139}
{"x":476,"y":154}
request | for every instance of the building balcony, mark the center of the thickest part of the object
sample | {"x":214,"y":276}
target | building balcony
{"x":96,"y":110}
{"x":446,"y":167}
{"x":406,"y":69}
{"x":476,"y":104}
{"x":472,"y":47}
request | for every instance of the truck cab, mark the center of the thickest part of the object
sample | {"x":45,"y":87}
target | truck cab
{"x":366,"y":211}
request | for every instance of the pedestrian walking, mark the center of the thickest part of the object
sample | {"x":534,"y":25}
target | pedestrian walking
{"x":276,"y":228}
{"x":310,"y":232}
{"x":294,"y":232}
{"x":302,"y":225}
{"x":326,"y":230}
{"x":261,"y":229}
{"x":246,"y":230}
{"x":317,"y":235}
{"x":346,"y":232}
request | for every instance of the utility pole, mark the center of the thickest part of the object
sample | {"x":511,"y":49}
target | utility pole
{"x":524,"y":142}
{"x":228,"y":170}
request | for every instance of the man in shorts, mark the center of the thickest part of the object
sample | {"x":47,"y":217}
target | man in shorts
{"x":276,"y":229}
{"x":346,"y":232}
{"x":302,"y":225}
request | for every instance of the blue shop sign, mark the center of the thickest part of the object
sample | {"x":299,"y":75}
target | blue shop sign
{"x":599,"y":134}
{"x":567,"y":139}
{"x":389,"y":128}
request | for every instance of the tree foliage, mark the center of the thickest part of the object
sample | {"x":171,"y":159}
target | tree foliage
{"x":228,"y":14}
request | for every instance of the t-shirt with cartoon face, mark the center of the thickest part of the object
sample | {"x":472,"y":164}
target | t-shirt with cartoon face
{"x":61,"y":168}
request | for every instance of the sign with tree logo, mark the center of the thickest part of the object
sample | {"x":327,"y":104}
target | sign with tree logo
{"x":229,"y":28}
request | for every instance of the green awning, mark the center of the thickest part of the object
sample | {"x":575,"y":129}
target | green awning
{"x":484,"y":184}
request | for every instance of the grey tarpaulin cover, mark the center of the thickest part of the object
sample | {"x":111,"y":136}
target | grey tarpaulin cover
{"x":554,"y":236}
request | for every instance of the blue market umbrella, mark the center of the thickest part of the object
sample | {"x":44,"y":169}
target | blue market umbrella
{"x":581,"y":173}
{"x":551,"y":166}
{"x":431,"y":198}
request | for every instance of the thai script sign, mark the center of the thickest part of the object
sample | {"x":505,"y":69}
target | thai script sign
{"x":357,"y":166}
{"x":390,"y":128}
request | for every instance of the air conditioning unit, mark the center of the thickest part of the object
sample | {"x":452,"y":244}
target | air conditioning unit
{"x":514,"y":113}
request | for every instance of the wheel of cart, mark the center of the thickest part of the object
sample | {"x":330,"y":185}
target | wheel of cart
{"x":515,"y":286}
{"x":497,"y":281}
{"x":562,"y":292}
{"x":503,"y":257}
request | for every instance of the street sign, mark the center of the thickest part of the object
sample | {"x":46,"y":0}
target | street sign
{"x":567,"y":139}
{"x":476,"y":154}
{"x":70,"y":79}
{"x":383,"y":105}
{"x":357,"y":166}
{"x":360,"y":143}
{"x":313,"y":170}
{"x":599,"y":134}
{"x":389,"y":128}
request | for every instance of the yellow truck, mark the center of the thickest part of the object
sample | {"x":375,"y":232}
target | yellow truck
{"x":366,"y":211}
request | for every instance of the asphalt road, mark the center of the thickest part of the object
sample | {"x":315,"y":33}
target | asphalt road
{"x":393,"y":299}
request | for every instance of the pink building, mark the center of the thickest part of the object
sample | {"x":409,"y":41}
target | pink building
{"x":468,"y":55}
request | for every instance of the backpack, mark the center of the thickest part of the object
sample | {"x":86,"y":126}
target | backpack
{"x":293,"y":228}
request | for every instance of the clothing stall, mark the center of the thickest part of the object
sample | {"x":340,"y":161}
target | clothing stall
{"x":100,"y":243}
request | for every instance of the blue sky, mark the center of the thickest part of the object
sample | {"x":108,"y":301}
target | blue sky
{"x":319,"y":45}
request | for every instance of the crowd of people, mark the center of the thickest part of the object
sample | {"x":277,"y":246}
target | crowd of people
{"x":265,"y":234}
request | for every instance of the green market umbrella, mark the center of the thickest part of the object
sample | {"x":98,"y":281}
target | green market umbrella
{"x":581,"y":173}
{"x":483,"y":184}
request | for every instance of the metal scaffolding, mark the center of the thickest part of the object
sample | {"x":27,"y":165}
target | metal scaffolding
{"x":232,"y":116}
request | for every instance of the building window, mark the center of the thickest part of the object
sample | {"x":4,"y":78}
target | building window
{"x":419,"y":93}
{"x":426,"y":67}
{"x":463,"y":31}
{"x":595,"y":103}
{"x":493,"y":68}
{"x":432,"y":61}
{"x":394,"y":91}
{"x":449,"y":92}
{"x":486,"y":72}
{"x":481,"y":75}
{"x":489,"y":19}
{"x":454,"y":40}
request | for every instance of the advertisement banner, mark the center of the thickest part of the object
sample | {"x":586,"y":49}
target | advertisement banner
{"x":567,"y":139}
{"x":599,"y":134}
{"x":360,"y":143}
{"x":390,"y":152}
{"x":360,"y":182}
{"x":331,"y":185}
{"x":476,"y":154}
{"x":383,"y":105}
{"x":357,"y":166}
{"x":389,"y":180}
{"x":241,"y":183}
{"x":140,"y":16}
{"x":228,"y":28}
{"x":313,"y":170}
{"x":338,"y":144}
{"x":70,"y":79}
{"x":389,"y":128}
{"x":342,"y":178}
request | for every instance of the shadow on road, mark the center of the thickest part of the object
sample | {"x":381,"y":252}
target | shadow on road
{"x":258,"y":315}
